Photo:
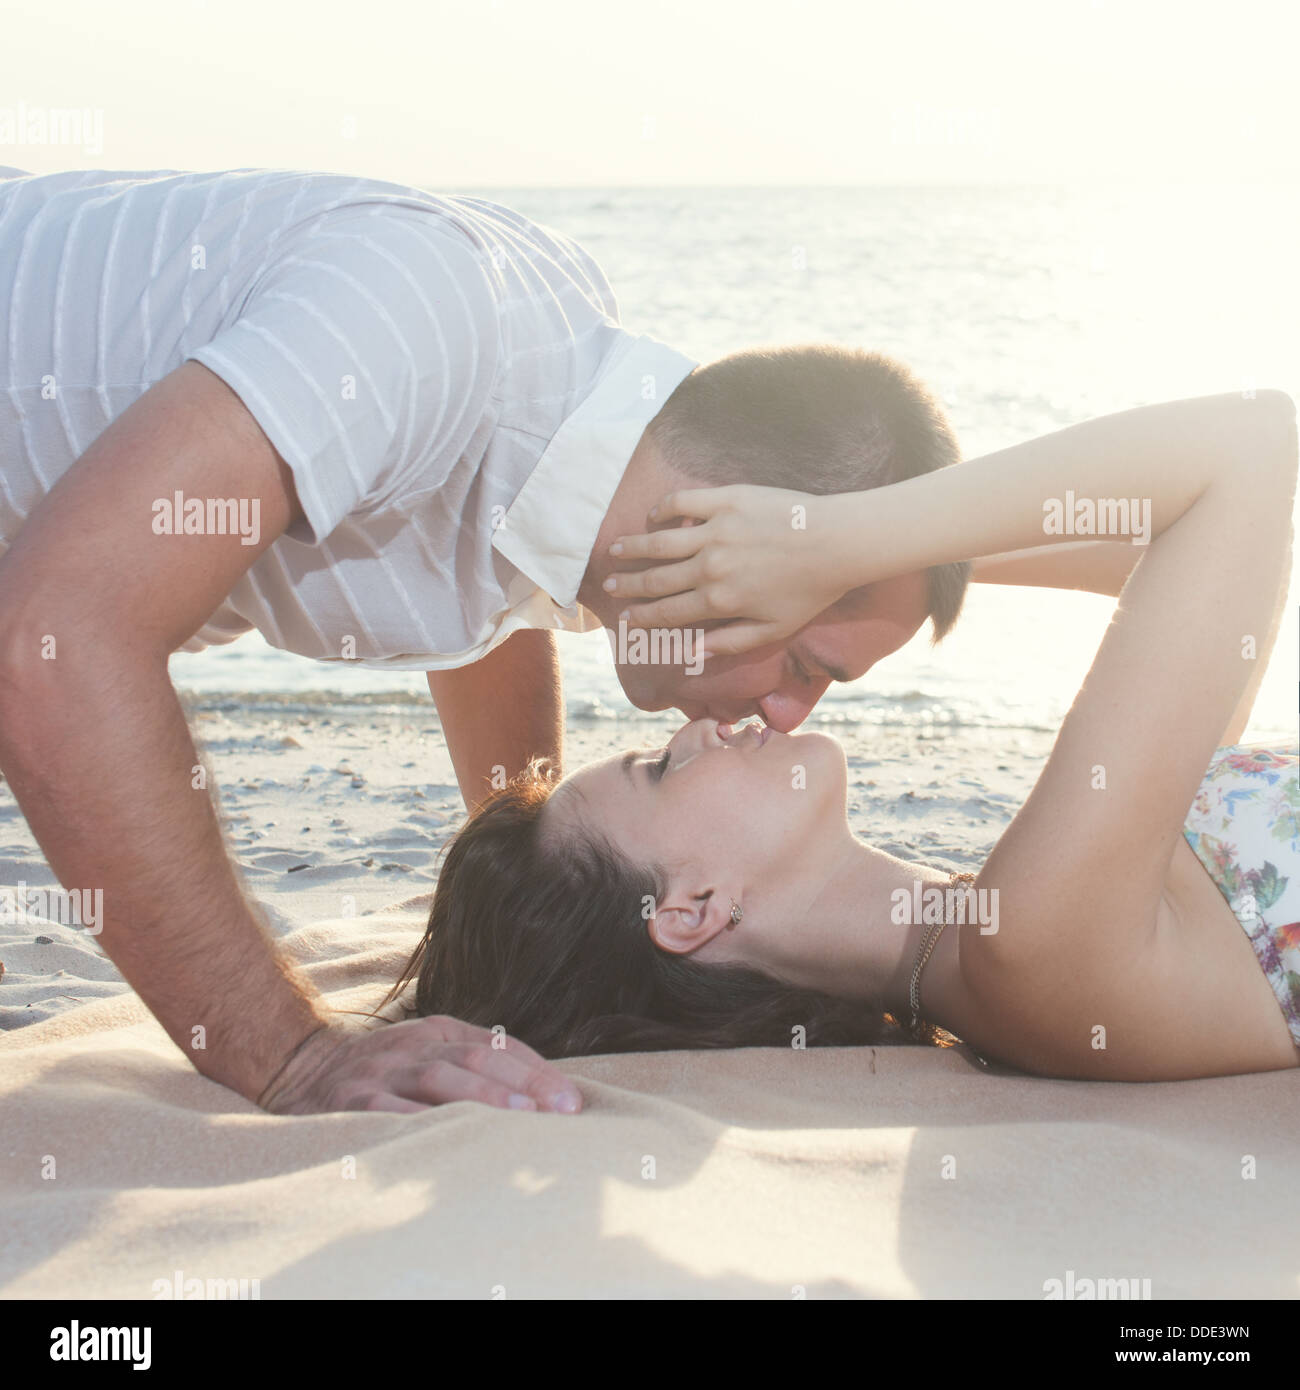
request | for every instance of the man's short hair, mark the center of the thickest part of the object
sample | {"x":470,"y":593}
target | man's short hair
{"x":816,"y":418}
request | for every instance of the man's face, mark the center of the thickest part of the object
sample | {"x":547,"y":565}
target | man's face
{"x":783,"y":681}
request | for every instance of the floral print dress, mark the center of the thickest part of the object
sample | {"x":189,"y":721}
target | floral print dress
{"x":1244,"y":827}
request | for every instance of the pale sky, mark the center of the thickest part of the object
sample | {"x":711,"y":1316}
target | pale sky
{"x":700,"y":92}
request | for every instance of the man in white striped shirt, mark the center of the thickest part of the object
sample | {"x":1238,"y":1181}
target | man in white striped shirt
{"x":380,"y":426}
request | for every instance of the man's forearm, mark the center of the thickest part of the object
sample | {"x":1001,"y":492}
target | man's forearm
{"x":502,"y":711}
{"x":97,"y":751}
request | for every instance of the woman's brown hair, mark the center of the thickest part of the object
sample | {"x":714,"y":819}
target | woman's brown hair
{"x":547,"y":938}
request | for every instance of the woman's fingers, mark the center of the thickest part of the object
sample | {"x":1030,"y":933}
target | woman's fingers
{"x":657,"y":582}
{"x":730,"y":639}
{"x":698,"y":502}
{"x":683,"y":610}
{"x":676,"y":544}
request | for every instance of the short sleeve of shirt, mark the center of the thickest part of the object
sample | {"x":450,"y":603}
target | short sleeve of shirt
{"x":597,"y":287}
{"x":366,"y":351}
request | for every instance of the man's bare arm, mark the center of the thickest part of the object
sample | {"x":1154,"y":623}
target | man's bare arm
{"x":501,"y":711}
{"x":95,"y":746}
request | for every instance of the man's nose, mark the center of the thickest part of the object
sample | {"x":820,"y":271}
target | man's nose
{"x":786,"y":712}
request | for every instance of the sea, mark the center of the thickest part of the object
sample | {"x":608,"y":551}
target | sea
{"x":1025,"y":309}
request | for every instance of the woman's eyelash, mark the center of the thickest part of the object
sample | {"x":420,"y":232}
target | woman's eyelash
{"x":661,"y":766}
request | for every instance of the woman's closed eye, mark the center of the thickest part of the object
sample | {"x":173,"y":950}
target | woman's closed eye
{"x":650,"y":765}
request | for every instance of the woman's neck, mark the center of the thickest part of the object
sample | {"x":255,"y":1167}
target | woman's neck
{"x":856,"y":929}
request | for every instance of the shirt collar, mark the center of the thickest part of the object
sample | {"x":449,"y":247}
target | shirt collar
{"x":551,"y":527}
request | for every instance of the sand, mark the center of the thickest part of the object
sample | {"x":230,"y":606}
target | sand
{"x":758,"y":1173}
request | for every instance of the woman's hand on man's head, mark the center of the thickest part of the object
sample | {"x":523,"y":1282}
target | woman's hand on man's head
{"x":760,"y":560}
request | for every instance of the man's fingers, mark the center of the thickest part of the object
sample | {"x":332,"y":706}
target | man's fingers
{"x":442,"y":1082}
{"x":505,"y":1059}
{"x":552,"y":1090}
{"x":491,"y":1081}
{"x":519,"y":1071}
{"x":384,"y":1100}
{"x":455,"y":1030}
{"x":407,"y":1067}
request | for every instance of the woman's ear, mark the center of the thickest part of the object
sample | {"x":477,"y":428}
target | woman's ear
{"x":684,"y":920}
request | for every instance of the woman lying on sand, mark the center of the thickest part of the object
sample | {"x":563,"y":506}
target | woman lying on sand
{"x":1139,"y":920}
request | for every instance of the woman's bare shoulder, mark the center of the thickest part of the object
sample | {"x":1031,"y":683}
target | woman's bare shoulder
{"x":1184,"y":998}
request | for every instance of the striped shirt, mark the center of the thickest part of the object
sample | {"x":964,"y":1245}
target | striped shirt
{"x":446,"y":380}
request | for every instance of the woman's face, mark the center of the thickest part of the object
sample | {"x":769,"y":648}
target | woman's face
{"x":729,"y":814}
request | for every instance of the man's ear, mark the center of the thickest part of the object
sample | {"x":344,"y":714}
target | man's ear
{"x":687,"y":919}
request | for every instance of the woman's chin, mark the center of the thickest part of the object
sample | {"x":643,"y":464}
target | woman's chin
{"x":825,"y":767}
{"x":831,"y":747}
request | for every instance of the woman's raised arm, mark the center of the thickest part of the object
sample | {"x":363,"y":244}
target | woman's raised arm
{"x":1206,"y":485}
{"x":766,"y":561}
{"x":1086,"y":858}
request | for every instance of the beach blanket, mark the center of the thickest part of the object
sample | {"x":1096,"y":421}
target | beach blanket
{"x":760,"y":1173}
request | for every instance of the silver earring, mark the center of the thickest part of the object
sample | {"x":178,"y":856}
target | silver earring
{"x":736,"y":913}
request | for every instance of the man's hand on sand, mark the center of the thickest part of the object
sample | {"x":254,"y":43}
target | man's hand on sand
{"x":409,"y":1067}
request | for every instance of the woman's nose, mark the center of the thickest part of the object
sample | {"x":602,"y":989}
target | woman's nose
{"x":699,"y":734}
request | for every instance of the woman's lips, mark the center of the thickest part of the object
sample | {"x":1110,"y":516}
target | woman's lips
{"x":730,"y":734}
